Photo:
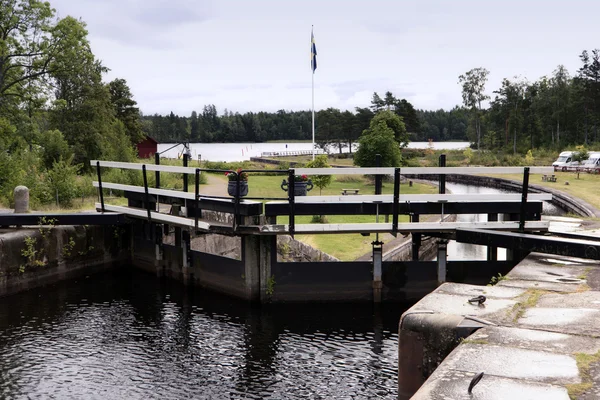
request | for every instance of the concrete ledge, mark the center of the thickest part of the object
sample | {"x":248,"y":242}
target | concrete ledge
{"x":535,"y":328}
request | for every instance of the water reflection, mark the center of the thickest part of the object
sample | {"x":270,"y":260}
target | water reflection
{"x":124,"y":334}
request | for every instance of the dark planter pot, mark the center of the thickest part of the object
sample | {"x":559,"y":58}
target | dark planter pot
{"x":300,"y":188}
{"x":232,"y":188}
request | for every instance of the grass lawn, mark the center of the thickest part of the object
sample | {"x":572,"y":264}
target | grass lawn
{"x":587,"y":187}
{"x":346,"y":247}
{"x":269,"y":186}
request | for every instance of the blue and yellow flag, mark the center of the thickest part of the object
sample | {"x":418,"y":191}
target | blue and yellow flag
{"x":313,"y":52}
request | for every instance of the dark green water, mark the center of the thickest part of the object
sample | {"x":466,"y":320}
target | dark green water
{"x":126,"y":335}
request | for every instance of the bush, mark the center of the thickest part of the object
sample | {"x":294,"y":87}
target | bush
{"x":60,"y":183}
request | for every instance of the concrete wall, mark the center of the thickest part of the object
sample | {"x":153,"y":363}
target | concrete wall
{"x":35,"y":257}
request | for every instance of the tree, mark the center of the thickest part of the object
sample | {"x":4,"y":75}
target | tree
{"x":473,"y":87}
{"x":378,"y":139}
{"x":329,"y":128}
{"x":320,"y":181}
{"x":589,"y":75}
{"x":126,"y":110}
{"x":560,"y":96}
{"x":511,"y":97}
{"x":194,"y":127}
{"x":377,"y":103}
{"x":54,"y":148}
{"x":395,"y":123}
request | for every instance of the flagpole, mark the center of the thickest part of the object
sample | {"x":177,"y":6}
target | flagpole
{"x":313,"y":115}
{"x":313,"y":89}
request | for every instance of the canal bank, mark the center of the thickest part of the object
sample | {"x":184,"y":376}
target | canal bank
{"x":560,"y":199}
{"x":534,"y":334}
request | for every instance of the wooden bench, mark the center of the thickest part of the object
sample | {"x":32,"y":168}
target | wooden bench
{"x":346,"y":192}
{"x":549,"y":178}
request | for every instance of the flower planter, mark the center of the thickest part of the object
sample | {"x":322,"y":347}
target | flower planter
{"x":232,"y":188}
{"x":300,"y":188}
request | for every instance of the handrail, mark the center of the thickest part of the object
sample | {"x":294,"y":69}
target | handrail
{"x":149,"y":167}
{"x":422,"y":170}
{"x":292,"y":199}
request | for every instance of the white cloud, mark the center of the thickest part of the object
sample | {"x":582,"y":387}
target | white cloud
{"x":254,"y":55}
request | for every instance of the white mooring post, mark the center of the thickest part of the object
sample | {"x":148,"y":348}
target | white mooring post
{"x":21,"y":196}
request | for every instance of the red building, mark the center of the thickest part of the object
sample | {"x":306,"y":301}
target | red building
{"x":147,"y":147}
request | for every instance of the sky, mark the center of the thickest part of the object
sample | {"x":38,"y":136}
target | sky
{"x":254,"y":55}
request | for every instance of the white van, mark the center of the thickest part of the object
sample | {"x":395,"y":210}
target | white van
{"x":593,"y":161}
{"x":564,"y":161}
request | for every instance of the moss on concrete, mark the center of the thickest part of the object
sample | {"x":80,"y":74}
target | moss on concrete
{"x":529,"y":299}
{"x":584,"y":362}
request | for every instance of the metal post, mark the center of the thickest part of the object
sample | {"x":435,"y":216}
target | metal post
{"x":185,"y":176}
{"x":146,"y":195}
{"x":157,"y":173}
{"x":158,"y":248}
{"x":378,"y":178}
{"x":197,"y":195}
{"x":442,"y":177}
{"x":416,"y":240}
{"x":395,"y":205}
{"x":442,"y":261}
{"x":524,"y":199}
{"x":492,"y":251}
{"x":100,"y":185}
{"x":291,"y":199}
{"x":185,"y":244}
{"x":236,"y":200}
{"x":377,"y":270}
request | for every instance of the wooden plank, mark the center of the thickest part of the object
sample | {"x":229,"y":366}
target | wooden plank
{"x":423,"y":171}
{"x":149,"y":167}
{"x":420,"y":227}
{"x":344,"y":171}
{"x":156,"y":216}
{"x":139,"y":189}
{"x":388,"y":198}
{"x":165,"y":192}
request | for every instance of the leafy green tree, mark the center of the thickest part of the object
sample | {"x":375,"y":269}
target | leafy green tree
{"x":54,"y":148}
{"x":510,"y":98}
{"x":320,"y":181}
{"x":589,"y":75}
{"x":395,"y":123}
{"x":378,"y":139}
{"x":473,"y":87}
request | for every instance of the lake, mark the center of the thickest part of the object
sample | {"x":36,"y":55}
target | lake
{"x":243,"y":151}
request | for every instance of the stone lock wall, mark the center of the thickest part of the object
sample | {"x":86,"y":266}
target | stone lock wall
{"x":33,"y":257}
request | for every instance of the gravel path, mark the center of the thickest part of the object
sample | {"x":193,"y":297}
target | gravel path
{"x":215,"y":186}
